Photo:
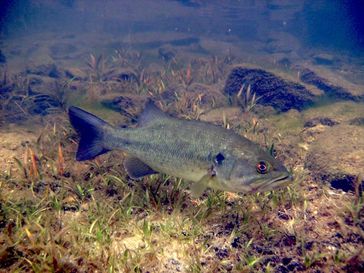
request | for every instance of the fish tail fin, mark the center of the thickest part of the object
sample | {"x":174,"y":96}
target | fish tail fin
{"x":91,"y":130}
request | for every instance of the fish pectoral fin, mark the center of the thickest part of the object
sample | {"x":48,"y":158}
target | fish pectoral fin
{"x":198,"y":188}
{"x":137,"y":168}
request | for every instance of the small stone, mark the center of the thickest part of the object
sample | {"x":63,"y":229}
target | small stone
{"x":49,"y":70}
{"x":282,"y":215}
{"x":309,"y":245}
{"x":286,"y":260}
{"x":348,"y":91}
{"x":167,"y":53}
{"x":229,"y":226}
{"x":111,"y":190}
{"x":357,"y":121}
{"x":221,"y":253}
{"x":289,"y":240}
{"x":282,"y":269}
{"x":75,"y":73}
{"x":270,"y":259}
{"x":324,"y":59}
{"x":236,"y":242}
{"x":296,"y":266}
{"x":323,"y":121}
{"x":54,"y":72}
{"x":123,"y":75}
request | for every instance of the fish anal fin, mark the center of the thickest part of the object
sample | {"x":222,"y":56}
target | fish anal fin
{"x":137,"y":168}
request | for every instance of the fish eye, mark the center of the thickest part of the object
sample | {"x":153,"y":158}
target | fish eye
{"x":219,"y":158}
{"x":262,"y":167}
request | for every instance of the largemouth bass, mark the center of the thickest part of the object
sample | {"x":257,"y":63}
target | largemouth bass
{"x":203,"y":153}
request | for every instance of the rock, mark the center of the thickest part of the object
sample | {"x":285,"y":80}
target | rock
{"x":236,"y":242}
{"x":296,"y":266}
{"x":289,"y":240}
{"x":357,"y":121}
{"x":36,"y":80}
{"x":216,"y":115}
{"x":62,"y":50}
{"x":167,"y":53}
{"x":54,"y":72}
{"x":324,"y":59}
{"x":123,"y":75}
{"x":283,"y":216}
{"x":286,"y":260}
{"x":12,"y":145}
{"x":281,"y":269}
{"x":221,"y":253}
{"x":341,"y":112}
{"x":281,"y":42}
{"x":2,"y":57}
{"x":128,"y":105}
{"x":173,"y":265}
{"x":8,"y":256}
{"x":330,"y":85}
{"x":42,"y":85}
{"x":42,"y":104}
{"x":284,"y":61}
{"x":75,"y":73}
{"x":273,"y":90}
{"x":49,"y":70}
{"x":323,"y":121}
{"x":337,"y":156}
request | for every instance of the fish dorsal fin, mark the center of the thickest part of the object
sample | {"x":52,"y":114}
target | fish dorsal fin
{"x":136,"y":168}
{"x":151,"y":114}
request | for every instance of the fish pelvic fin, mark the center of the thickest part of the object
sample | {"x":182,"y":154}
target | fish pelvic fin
{"x":136,"y":168}
{"x":198,"y":188}
{"x":91,"y":130}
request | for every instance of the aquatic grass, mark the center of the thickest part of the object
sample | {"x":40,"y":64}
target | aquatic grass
{"x":247,"y":99}
{"x":93,"y":227}
{"x":97,"y":67}
{"x":91,"y":217}
{"x":214,"y":69}
{"x":125,"y":57}
{"x":63,"y":92}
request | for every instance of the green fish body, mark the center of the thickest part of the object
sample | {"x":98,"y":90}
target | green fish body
{"x":209,"y":155}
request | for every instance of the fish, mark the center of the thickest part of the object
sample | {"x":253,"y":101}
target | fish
{"x":207,"y":155}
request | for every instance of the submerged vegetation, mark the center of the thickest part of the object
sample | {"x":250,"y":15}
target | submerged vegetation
{"x":58,"y":215}
{"x":247,"y":99}
{"x":57,"y":219}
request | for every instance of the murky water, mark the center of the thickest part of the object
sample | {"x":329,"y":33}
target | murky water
{"x":288,"y":75}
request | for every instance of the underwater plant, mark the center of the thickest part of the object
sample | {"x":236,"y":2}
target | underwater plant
{"x":247,"y":99}
{"x":97,"y":67}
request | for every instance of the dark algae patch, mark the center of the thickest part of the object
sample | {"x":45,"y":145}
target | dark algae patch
{"x":273,"y":90}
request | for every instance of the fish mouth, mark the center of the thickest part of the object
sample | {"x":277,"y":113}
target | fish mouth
{"x":279,"y":181}
{"x":284,"y":178}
